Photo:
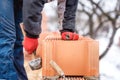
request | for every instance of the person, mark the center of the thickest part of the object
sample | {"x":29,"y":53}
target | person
{"x":11,"y":37}
{"x":32,"y":21}
{"x":11,"y":48}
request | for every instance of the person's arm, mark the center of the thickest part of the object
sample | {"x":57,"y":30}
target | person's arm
{"x":68,"y":31}
{"x":32,"y":17}
{"x":32,"y":23}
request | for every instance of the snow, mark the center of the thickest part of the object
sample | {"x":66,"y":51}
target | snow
{"x":51,"y":13}
{"x":110,"y":64}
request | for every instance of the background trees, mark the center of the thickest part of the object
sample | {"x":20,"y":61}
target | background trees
{"x":97,"y":18}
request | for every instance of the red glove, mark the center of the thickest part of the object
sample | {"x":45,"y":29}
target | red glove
{"x":69,"y":36}
{"x":30,"y":44}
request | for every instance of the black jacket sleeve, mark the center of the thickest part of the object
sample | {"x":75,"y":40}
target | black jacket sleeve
{"x":32,"y":17}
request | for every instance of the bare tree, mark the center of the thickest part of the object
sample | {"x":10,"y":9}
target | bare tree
{"x":102,"y":17}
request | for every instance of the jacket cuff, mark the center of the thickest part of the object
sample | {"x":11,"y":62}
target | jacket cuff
{"x":31,"y":35}
{"x":67,"y":30}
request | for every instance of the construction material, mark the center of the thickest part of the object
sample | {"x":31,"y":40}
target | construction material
{"x":75,"y":58}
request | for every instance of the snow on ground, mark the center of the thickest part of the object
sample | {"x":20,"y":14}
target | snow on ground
{"x":110,"y":64}
{"x":51,"y":13}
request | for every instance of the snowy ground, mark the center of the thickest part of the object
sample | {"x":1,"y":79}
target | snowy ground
{"x":110,"y":64}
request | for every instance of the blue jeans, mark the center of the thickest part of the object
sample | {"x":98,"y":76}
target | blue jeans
{"x":11,"y":48}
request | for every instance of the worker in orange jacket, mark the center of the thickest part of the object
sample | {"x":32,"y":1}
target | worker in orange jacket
{"x":32,"y":22}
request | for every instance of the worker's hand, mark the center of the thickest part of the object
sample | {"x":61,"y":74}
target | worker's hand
{"x":69,"y":36}
{"x":30,"y":44}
